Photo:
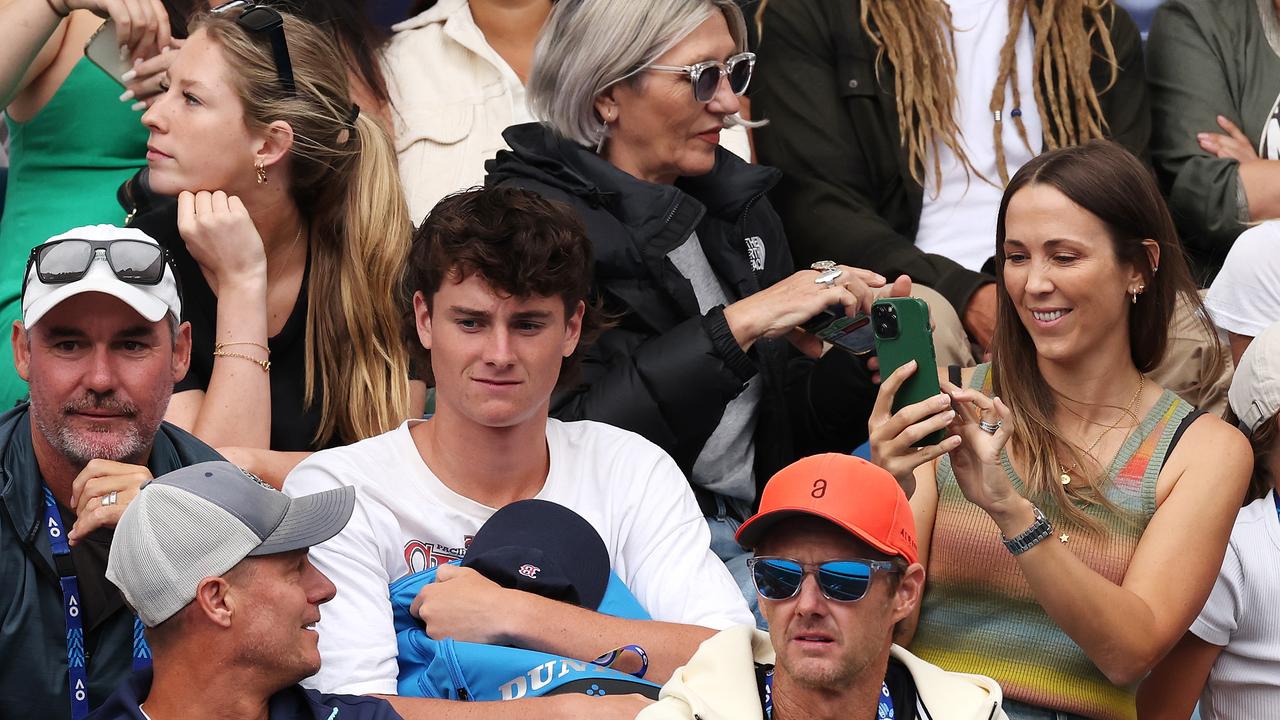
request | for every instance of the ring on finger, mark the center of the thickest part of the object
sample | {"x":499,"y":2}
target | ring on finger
{"x":828,"y":277}
{"x":823,"y":265}
{"x":111,"y":498}
{"x":990,"y":427}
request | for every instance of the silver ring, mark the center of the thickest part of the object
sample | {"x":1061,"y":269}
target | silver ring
{"x":111,"y":498}
{"x":823,"y":265}
{"x":990,"y":427}
{"x":828,"y":277}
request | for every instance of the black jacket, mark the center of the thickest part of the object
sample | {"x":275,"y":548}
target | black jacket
{"x":665,"y":370}
{"x":847,"y":192}
{"x":292,"y":703}
{"x":33,"y":631}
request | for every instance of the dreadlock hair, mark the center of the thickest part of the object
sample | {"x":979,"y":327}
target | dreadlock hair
{"x":917,"y":37}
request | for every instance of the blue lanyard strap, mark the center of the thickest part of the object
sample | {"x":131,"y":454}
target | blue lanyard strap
{"x":884,"y":705}
{"x":72,"y":609}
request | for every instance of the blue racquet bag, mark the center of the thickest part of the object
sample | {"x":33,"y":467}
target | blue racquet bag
{"x":456,"y":670}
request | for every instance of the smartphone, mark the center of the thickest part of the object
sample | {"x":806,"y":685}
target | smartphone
{"x":903,"y":334}
{"x":851,"y":334}
{"x":103,"y":50}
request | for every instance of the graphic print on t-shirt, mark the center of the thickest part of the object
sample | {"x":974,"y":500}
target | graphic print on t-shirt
{"x":419,"y":555}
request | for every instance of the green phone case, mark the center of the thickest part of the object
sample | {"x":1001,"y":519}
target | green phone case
{"x":914,"y":341}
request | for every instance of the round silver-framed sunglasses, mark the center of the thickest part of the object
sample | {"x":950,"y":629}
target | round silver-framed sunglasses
{"x":705,"y":76}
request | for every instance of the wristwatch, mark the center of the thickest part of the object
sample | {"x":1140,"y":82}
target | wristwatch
{"x":1039,"y":530}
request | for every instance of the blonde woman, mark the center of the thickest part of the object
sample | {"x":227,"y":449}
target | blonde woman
{"x":1079,"y":517}
{"x":293,"y":241}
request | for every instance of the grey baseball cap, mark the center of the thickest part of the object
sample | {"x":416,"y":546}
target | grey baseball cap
{"x":199,"y":521}
{"x":1255,"y":388}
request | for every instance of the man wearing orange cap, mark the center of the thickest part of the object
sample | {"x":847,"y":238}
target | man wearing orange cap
{"x":836,"y":568}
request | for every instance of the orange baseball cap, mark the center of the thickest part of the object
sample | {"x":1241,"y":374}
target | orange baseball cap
{"x":859,"y":496}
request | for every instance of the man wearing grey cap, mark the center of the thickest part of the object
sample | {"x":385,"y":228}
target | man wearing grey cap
{"x":100,"y":345}
{"x":215,"y":563}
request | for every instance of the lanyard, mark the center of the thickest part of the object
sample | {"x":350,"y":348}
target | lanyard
{"x":884,"y":707}
{"x":78,"y":680}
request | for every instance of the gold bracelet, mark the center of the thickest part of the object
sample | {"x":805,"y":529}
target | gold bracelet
{"x":266,"y":364}
{"x":219,"y":346}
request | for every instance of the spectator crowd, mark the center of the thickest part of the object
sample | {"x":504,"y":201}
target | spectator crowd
{"x":718,"y":359}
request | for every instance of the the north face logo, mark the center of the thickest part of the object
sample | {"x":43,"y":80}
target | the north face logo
{"x":530,"y":571}
{"x":755,"y":252}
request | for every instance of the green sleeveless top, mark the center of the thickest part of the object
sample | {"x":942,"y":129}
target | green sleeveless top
{"x":979,"y":614}
{"x":65,"y":165}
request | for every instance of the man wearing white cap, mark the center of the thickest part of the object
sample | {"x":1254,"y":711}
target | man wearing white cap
{"x":100,"y":344}
{"x":215,"y":563}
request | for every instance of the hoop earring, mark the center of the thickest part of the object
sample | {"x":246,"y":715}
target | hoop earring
{"x":1136,"y":292}
{"x":261,"y":172}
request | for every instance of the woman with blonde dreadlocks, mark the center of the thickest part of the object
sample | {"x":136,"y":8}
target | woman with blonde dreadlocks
{"x":897,"y":123}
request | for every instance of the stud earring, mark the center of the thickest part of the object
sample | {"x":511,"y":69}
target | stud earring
{"x":261,"y":172}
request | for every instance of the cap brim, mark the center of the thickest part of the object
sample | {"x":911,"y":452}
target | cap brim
{"x":310,"y":520}
{"x":753,"y":530}
{"x":150,"y":307}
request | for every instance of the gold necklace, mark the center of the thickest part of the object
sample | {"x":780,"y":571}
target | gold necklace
{"x":1065,"y":477}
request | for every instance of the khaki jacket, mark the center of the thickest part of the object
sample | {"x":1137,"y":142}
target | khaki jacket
{"x":719,"y":683}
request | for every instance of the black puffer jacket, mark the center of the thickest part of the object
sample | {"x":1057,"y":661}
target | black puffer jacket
{"x":666,"y":371}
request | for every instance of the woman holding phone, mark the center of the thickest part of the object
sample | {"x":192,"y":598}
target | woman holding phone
{"x":292,"y":265}
{"x":1074,"y":519}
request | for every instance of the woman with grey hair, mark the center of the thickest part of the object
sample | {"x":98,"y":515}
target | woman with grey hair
{"x":690,"y":257}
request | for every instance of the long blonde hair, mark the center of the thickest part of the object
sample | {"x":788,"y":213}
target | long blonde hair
{"x":344,"y":180}
{"x":917,"y":38}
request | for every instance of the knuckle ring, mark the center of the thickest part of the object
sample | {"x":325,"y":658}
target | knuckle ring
{"x":823,"y":265}
{"x":828,"y":277}
{"x":990,"y":427}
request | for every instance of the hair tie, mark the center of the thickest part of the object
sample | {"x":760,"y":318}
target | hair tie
{"x":355,"y":113}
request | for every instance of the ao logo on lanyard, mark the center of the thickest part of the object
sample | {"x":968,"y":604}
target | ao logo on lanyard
{"x":72,"y":608}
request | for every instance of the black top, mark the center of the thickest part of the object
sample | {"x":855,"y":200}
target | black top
{"x":293,"y":426}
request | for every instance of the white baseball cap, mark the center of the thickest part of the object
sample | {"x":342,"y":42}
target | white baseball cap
{"x":1255,"y":389}
{"x":152,"y":302}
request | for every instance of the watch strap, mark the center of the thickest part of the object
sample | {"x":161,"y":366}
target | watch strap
{"x":1040,"y":529}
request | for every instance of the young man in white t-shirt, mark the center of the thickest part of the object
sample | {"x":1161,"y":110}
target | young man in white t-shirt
{"x":501,"y":277}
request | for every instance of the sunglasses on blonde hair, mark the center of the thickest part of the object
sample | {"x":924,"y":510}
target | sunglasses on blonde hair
{"x":260,"y":19}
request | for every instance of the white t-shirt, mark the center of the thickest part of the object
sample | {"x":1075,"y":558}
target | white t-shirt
{"x":1242,"y":616}
{"x":406,"y":520}
{"x":960,"y":222}
{"x":1245,"y":296}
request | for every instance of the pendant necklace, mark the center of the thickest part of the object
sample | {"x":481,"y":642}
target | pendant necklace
{"x":1065,"y":477}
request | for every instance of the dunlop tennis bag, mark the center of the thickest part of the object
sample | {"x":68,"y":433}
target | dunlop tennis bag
{"x":456,"y":670}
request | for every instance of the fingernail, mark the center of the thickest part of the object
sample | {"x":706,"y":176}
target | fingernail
{"x":951,"y":415}
{"x":164,"y":49}
{"x":128,"y":77}
{"x":127,"y":95}
{"x":138,"y":106}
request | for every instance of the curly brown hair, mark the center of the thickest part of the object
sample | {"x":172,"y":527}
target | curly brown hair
{"x":520,"y":243}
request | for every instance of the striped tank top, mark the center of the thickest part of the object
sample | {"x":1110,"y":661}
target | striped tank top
{"x":979,"y":614}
